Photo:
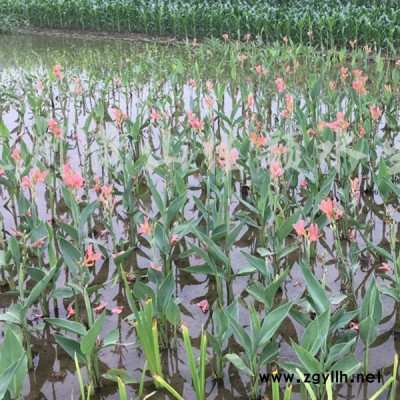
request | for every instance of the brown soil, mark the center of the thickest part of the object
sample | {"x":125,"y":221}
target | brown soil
{"x":126,"y":36}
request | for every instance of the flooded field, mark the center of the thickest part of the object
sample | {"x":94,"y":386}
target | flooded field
{"x":250,"y":193}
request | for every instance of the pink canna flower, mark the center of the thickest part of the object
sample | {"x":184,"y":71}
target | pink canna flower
{"x":97,"y":186}
{"x":145,"y":228}
{"x":208,"y":101}
{"x":1,"y":171}
{"x":250,"y":100}
{"x":174,"y":240}
{"x":34,"y":177}
{"x":278,"y":150}
{"x":57,"y":71}
{"x":259,"y":141}
{"x":225,"y":36}
{"x":154,"y":115}
{"x":16,"y":155}
{"x":354,"y":326}
{"x":100,"y":307}
{"x":361,"y":131}
{"x":117,"y":80}
{"x":119,"y":117}
{"x":330,"y":209}
{"x":107,"y":190}
{"x":326,"y":206}
{"x":260,"y":70}
{"x":355,"y":185}
{"x":340,"y":125}
{"x":384,"y":267}
{"x":38,"y":244}
{"x":376,"y":112}
{"x":195,"y":122}
{"x":91,"y":257}
{"x":53,"y":127}
{"x":303,"y":183}
{"x":300,"y":228}
{"x":313,"y":233}
{"x":359,"y":85}
{"x":276,"y":170}
{"x":358,"y":73}
{"x":344,"y":73}
{"x":71,"y":178}
{"x":39,"y":86}
{"x":332,"y":85}
{"x":233,"y":157}
{"x":192,"y":83}
{"x":280,"y":84}
{"x":70,"y":312}
{"x":156,"y":267}
{"x":117,"y":309}
{"x":204,"y":306}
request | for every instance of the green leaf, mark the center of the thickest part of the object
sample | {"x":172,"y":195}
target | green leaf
{"x":368,"y":331}
{"x":310,"y":364}
{"x":111,"y":339}
{"x":87,"y":213}
{"x":272,"y":322}
{"x":239,"y":364}
{"x":113,"y":374}
{"x":4,"y":132}
{"x":71,"y":255}
{"x":269,"y":354}
{"x":316,"y":333}
{"x":70,"y":326}
{"x":71,"y":347}
{"x":317,"y":293}
{"x":348,"y":365}
{"x":287,"y":226}
{"x":7,"y":376}
{"x":89,"y":341}
{"x":11,"y":352}
{"x":38,"y":289}
{"x":175,"y":206}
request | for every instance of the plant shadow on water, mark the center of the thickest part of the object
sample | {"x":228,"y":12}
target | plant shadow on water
{"x":92,"y":103}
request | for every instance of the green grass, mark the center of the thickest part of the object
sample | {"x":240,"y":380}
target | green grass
{"x":332,"y":23}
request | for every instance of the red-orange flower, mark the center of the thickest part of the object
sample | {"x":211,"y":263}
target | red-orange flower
{"x":90,"y":257}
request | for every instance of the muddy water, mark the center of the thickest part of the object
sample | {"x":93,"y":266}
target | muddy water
{"x":53,"y":375}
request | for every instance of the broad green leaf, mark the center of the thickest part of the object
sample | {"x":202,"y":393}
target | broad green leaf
{"x":113,"y":374}
{"x":11,"y":352}
{"x":310,"y":364}
{"x":71,"y":255}
{"x":38,"y":289}
{"x":239,"y":364}
{"x":70,"y":326}
{"x":111,"y":339}
{"x":89,"y":341}
{"x":272,"y":322}
{"x":315,"y":335}
{"x":70,"y":346}
{"x":315,"y":289}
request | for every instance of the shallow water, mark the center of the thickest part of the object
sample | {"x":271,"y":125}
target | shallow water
{"x":53,"y":375}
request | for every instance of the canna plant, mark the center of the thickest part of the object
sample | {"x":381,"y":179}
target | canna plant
{"x":320,"y":351}
{"x":86,"y":347}
{"x":258,"y":348}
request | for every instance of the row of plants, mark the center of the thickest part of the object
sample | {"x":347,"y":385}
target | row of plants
{"x":166,"y":178}
{"x":321,"y":23}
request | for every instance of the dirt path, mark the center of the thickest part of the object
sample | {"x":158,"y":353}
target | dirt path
{"x":127,"y":36}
